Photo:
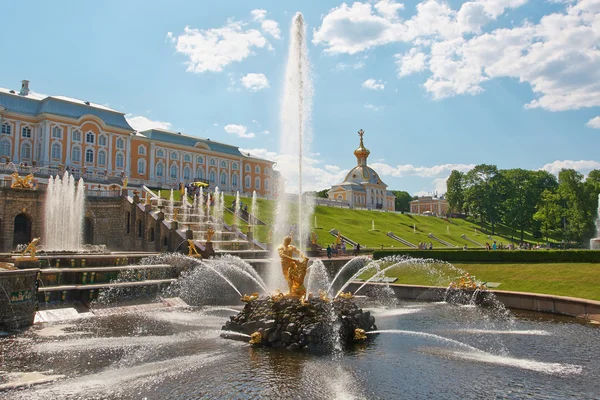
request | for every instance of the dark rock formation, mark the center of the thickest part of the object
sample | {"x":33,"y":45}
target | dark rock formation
{"x":317,"y":325}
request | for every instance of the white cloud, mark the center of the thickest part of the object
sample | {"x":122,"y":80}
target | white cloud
{"x":239,"y":130}
{"x":373,"y":84}
{"x":266,"y":132}
{"x":267,"y":25}
{"x":315,"y":176}
{"x":411,"y":62}
{"x":370,"y":106}
{"x":594,"y":123}
{"x":255,"y":82}
{"x":424,"y":172}
{"x":559,"y":57}
{"x":583,"y":166}
{"x":213,"y":49}
{"x":141,"y":123}
{"x":343,"y":66}
{"x":389,"y":9}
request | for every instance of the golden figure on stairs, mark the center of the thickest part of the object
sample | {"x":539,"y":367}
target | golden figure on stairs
{"x":22,"y":183}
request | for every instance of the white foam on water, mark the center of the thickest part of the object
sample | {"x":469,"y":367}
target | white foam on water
{"x":533,"y":332}
{"x":392,"y":312}
{"x":53,"y":330}
{"x":188,"y":319}
{"x":19,"y":379}
{"x":119,"y":380}
{"x":522,"y":363}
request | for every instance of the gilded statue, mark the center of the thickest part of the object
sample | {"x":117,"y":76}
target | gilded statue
{"x":31,"y":249}
{"x":22,"y":183}
{"x":209,"y":234}
{"x":294,"y":270}
{"x":313,"y":238}
{"x":175,"y":214}
{"x":192,"y":251}
{"x":125,"y":182}
{"x":338,"y":240}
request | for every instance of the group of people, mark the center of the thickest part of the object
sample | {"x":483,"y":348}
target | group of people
{"x":425,"y":246}
{"x":334,"y":250}
{"x":243,"y":206}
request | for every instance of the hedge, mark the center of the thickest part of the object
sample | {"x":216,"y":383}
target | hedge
{"x":508,"y":256}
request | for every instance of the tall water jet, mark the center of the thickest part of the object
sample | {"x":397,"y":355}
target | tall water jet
{"x":294,"y":143}
{"x":171,"y":206}
{"x":64,"y":213}
{"x":595,"y":242}
{"x":254,"y":210}
{"x":237,"y":210}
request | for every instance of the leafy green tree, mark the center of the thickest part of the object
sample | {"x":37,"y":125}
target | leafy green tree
{"x":455,"y":193}
{"x":403,"y":199}
{"x":484,"y":193}
{"x":576,"y":211}
{"x":549,"y":213}
{"x":322,"y":193}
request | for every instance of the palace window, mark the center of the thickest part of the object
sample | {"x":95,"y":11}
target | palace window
{"x":26,"y":151}
{"x":57,"y":132}
{"x":174,"y":155}
{"x":223,"y":164}
{"x":76,"y":154}
{"x":247,"y":181}
{"x":223,"y":179}
{"x":187,"y":158}
{"x":89,"y":156}
{"x":199,"y":173}
{"x":120,"y":161}
{"x":200,"y":160}
{"x":266,"y":184}
{"x":234,"y":180}
{"x":247,"y":168}
{"x":267,"y":171}
{"x":173,"y":171}
{"x":102,"y":157}
{"x":234,"y":166}
{"x":5,"y":148}
{"x":26,"y":132}
{"x":212,"y":177}
{"x":160,"y":168}
{"x":55,"y":151}
{"x":160,"y":153}
{"x":257,"y":183}
{"x":141,"y":167}
{"x":187,"y":174}
{"x":142,"y":150}
{"x":102,"y":140}
{"x":89,"y":137}
{"x":213,"y":162}
{"x":6,"y":129}
{"x":76,"y":136}
{"x":120,"y":144}
{"x":257,"y":170}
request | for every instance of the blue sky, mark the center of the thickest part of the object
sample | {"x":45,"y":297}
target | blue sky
{"x":436,"y":85}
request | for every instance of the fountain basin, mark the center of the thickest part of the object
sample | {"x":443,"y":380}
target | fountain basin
{"x":316,"y":325}
{"x":17,"y":298}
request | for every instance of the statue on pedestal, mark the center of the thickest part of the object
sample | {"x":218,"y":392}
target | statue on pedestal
{"x":209,"y":234}
{"x":31,"y":249}
{"x":294,"y":270}
{"x":22,"y":183}
{"x":192,"y":251}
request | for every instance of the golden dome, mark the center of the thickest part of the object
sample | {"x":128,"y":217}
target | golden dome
{"x":361,"y":152}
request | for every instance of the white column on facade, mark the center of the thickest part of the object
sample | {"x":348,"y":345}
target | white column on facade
{"x":194,"y":157}
{"x":109,"y":162}
{"x":17,"y":136}
{"x":68,"y":144}
{"x":46,"y":143}
{"x":127,"y":156}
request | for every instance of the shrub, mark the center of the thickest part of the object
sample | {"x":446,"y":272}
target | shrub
{"x":516,"y":256}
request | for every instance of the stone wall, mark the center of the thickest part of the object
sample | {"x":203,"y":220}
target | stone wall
{"x":17,"y":298}
{"x":116,"y":222}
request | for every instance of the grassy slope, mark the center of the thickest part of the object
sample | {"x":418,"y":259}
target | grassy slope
{"x":357,"y":224}
{"x":563,"y":279}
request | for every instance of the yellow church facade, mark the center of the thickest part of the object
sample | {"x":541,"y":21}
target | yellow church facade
{"x":362,"y":186}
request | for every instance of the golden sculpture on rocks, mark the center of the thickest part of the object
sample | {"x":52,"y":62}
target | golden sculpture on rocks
{"x":249,"y":298}
{"x":31,"y":249}
{"x":294,"y":270}
{"x":359,"y":334}
{"x":209,"y":234}
{"x":255,"y":338}
{"x":22,"y":183}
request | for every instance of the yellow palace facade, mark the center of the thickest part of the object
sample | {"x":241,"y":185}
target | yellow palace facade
{"x":46,"y":134}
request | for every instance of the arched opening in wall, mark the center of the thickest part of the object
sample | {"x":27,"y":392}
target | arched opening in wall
{"x":165,"y":242}
{"x":88,"y":231}
{"x":22,"y":231}
{"x":151,"y":235}
{"x":128,"y":223}
{"x":140,"y":230}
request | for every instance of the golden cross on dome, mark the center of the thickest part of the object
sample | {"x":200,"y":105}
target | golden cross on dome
{"x":361,"y":133}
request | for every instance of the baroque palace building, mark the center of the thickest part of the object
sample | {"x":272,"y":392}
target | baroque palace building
{"x":48,"y":134}
{"x":362,"y":186}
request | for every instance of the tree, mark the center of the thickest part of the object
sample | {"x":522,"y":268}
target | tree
{"x":403,"y":199}
{"x":455,"y":194}
{"x":575,"y":206}
{"x":549,"y":213}
{"x":323,"y":194}
{"x":484,"y":192}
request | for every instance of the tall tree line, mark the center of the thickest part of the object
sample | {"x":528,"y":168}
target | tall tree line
{"x":563,"y":208}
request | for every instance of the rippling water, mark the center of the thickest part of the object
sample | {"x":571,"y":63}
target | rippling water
{"x":429,"y":350}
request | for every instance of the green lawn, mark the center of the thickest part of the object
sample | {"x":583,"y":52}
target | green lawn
{"x":563,"y":279}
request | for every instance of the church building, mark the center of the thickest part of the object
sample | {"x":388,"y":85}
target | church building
{"x":363,"y":187}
